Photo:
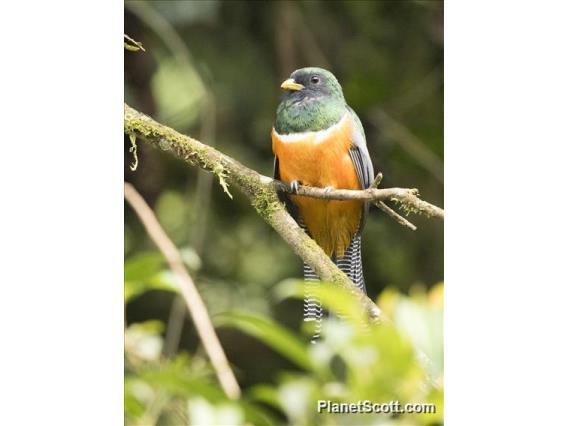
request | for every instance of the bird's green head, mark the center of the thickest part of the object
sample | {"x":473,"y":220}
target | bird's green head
{"x":313,"y":100}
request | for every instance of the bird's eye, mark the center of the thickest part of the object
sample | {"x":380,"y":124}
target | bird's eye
{"x":315,"y":79}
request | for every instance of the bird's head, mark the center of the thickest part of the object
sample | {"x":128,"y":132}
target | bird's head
{"x":313,"y":100}
{"x":312,"y":83}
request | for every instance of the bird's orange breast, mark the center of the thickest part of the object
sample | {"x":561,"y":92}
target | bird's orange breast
{"x":322,"y":159}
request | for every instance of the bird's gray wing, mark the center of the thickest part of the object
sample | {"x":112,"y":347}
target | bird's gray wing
{"x":361,"y":160}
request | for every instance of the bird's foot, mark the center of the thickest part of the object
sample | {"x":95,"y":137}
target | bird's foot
{"x":294,"y":186}
{"x":328,"y":189}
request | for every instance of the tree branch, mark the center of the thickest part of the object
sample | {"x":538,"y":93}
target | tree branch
{"x":195,"y":304}
{"x":382,"y":205}
{"x":262,"y":194}
{"x":408,"y":198}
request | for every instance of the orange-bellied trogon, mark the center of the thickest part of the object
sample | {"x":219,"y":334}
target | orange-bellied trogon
{"x":318,"y":140}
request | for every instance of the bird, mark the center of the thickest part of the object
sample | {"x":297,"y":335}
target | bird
{"x":318,"y":140}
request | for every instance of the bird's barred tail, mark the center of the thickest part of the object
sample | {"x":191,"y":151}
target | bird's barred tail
{"x":312,"y":306}
{"x":351,"y":264}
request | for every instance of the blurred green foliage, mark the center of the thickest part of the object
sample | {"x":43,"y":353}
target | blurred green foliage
{"x":354,"y":361}
{"x":212,"y":70}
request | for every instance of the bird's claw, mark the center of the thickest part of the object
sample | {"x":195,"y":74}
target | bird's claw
{"x":294,"y":186}
{"x":328,"y":189}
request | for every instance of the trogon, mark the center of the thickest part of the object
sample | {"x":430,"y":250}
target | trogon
{"x":318,"y":140}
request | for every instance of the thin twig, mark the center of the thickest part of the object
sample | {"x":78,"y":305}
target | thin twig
{"x":377,"y":181}
{"x":404,"y":222}
{"x":382,"y":205}
{"x":407,"y":197}
{"x":174,"y":327}
{"x":195,"y":305}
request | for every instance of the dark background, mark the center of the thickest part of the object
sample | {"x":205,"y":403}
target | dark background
{"x":212,"y":70}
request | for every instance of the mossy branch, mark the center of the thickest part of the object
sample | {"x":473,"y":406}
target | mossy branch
{"x":262,"y":194}
{"x":407,"y":198}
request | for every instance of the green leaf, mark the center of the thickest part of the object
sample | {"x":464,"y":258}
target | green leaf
{"x":266,"y":394}
{"x":179,"y":93}
{"x":144,"y":272}
{"x":270,"y":333}
{"x":332,"y":297}
{"x":132,"y":406}
{"x":422,"y":322}
{"x":202,"y":412}
{"x":142,"y":266}
{"x":257,"y":415}
{"x":177,"y":380}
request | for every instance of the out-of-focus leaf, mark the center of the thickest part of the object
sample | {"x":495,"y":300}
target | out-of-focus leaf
{"x":173,"y":210}
{"x":332,"y":297}
{"x":435,"y":397}
{"x":296,"y":397}
{"x":134,"y":403}
{"x":436,"y":296}
{"x":257,"y":415}
{"x":290,"y":288}
{"x":191,"y":258}
{"x":202,"y":412}
{"x":142,"y":266}
{"x":143,"y":340}
{"x":178,"y":93}
{"x":421,"y":319}
{"x":270,"y":333}
{"x":382,"y":365}
{"x":143,"y":272}
{"x":164,"y":280}
{"x":176,"y":379}
{"x":388,"y":300}
{"x":266,"y":394}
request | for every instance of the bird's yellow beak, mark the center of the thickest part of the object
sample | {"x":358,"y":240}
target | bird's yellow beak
{"x":290,"y":84}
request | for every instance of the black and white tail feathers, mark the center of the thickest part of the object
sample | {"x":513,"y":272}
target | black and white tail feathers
{"x":351,"y":264}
